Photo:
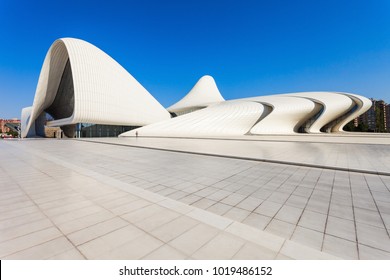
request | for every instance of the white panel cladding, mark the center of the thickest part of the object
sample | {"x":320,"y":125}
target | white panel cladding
{"x":24,"y":120}
{"x":49,"y":80}
{"x":104,"y":92}
{"x":334,"y":105}
{"x":289,"y":112}
{"x":287,"y":115}
{"x":224,"y":119}
{"x":204,"y":93}
{"x":362,"y":103}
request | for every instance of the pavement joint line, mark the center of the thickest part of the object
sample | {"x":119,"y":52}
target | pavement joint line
{"x":244,"y":158}
{"x":266,"y":140}
{"x":251,"y":234}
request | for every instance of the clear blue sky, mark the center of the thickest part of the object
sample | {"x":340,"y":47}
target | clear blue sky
{"x":250,"y":47}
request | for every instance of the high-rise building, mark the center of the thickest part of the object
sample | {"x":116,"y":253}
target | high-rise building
{"x":387,"y":117}
{"x":375,"y":119}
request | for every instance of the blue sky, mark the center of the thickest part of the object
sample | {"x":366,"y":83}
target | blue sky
{"x":250,"y":47}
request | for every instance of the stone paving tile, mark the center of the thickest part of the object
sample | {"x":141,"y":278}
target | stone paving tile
{"x":313,"y":220}
{"x":143,"y":213}
{"x":257,"y":194}
{"x":368,"y":217}
{"x":21,"y":220}
{"x":237,"y":214}
{"x":18,"y":212}
{"x":268,"y":208}
{"x":223,"y":246}
{"x":85,"y":221}
{"x":386,"y":220}
{"x":308,"y":237}
{"x":341,"y":228}
{"x":95,"y":231}
{"x":257,"y":220}
{"x":369,"y":253}
{"x":43,"y":251}
{"x":340,"y":247}
{"x":219,"y":208}
{"x":156,"y":220}
{"x":280,"y":228}
{"x":373,"y":236}
{"x":198,"y":236}
{"x":26,"y":241}
{"x":278,"y":197}
{"x":254,"y":252}
{"x":341,"y":211}
{"x":250,"y":203}
{"x":99,"y":247}
{"x":72,"y":254}
{"x":294,"y":250}
{"x":203,"y":203}
{"x":289,"y":214}
{"x":165,"y":252}
{"x":16,"y":205}
{"x":174,"y":228}
{"x":135,"y":249}
{"x":297,"y":201}
{"x":233,"y":199}
{"x":24,"y":229}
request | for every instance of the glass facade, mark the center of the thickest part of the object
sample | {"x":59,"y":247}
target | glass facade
{"x":84,"y":130}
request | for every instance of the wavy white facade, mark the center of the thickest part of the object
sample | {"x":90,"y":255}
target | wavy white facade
{"x":79,"y":83}
{"x":203,"y":94}
{"x":288,"y":114}
{"x":228,"y":118}
{"x":304,"y":112}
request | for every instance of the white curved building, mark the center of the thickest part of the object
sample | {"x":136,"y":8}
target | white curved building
{"x":79,"y":83}
{"x":80,"y":87}
{"x":204,"y":93}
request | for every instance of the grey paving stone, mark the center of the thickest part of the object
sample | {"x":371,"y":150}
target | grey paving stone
{"x":313,"y":220}
{"x":340,"y":247}
{"x":308,"y":237}
{"x":76,"y":201}
{"x":341,"y":228}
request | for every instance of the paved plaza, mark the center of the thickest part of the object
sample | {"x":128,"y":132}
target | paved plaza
{"x":276,"y":197}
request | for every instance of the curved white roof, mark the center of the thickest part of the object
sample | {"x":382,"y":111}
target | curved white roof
{"x":334,"y":106}
{"x":288,"y":114}
{"x":204,"y":93}
{"x":104,"y":92}
{"x":274,"y":114}
{"x":362,"y":105}
{"x":224,"y":119}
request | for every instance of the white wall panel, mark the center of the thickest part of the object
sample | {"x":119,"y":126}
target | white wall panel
{"x":104,"y":92}
{"x":203,"y":94}
{"x":334,"y":105}
{"x":224,"y":119}
{"x":287,"y":115}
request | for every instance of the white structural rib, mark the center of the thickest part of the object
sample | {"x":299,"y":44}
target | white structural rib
{"x":288,"y":114}
{"x":24,"y":120}
{"x":203,"y":94}
{"x":228,"y":118}
{"x":104,"y":92}
{"x":362,"y":104}
{"x":334,"y":105}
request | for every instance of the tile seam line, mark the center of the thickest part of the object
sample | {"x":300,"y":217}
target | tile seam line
{"x":244,"y":158}
{"x":261,"y":140}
